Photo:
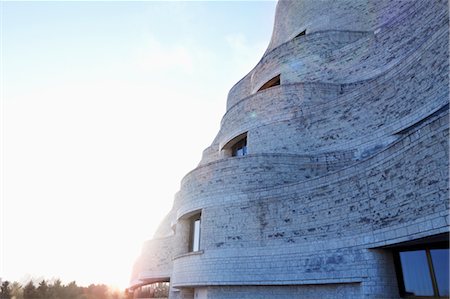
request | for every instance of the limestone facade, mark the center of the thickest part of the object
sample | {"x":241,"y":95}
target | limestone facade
{"x":346,"y":161}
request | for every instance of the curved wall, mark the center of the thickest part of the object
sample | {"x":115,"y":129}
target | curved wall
{"x":292,"y":17}
{"x":349,"y":154}
{"x":363,"y":79}
{"x":342,"y":57}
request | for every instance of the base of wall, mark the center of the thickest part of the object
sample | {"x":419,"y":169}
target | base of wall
{"x":337,"y":291}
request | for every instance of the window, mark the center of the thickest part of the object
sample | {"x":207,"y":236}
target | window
{"x":236,"y":147}
{"x":301,"y":34}
{"x":194,"y":239}
{"x":271,"y":83}
{"x":423,"y":271}
{"x":239,"y":148}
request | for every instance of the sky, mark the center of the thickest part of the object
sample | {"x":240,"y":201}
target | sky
{"x":105,"y":106}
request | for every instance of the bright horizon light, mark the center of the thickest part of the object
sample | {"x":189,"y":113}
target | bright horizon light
{"x":105,"y":107}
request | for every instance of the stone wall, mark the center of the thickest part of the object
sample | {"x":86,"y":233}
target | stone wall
{"x":349,"y":154}
{"x":321,"y":230}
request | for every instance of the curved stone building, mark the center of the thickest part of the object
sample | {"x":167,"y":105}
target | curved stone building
{"x":329,"y":175}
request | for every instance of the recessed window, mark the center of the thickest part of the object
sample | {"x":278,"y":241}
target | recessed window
{"x":301,"y":34}
{"x":194,"y":238}
{"x":236,"y":147}
{"x":423,"y":272}
{"x":240,"y":148}
{"x":271,"y":83}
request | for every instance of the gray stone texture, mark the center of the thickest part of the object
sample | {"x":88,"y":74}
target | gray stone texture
{"x":348,"y":154}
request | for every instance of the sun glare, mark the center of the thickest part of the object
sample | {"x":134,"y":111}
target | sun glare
{"x":106,"y":107}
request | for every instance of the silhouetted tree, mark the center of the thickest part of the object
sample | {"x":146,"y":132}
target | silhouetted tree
{"x":5,"y":291}
{"x":96,"y":291}
{"x":29,"y":291}
{"x":16,"y":290}
{"x":72,"y":291}
{"x":56,"y":290}
{"x":42,"y":290}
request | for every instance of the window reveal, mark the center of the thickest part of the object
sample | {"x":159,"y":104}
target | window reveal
{"x":236,"y":147}
{"x":275,"y":81}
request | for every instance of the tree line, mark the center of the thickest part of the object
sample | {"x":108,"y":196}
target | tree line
{"x":56,"y":290}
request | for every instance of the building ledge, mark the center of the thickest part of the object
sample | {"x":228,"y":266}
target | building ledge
{"x":200,"y":252}
{"x":343,"y":280}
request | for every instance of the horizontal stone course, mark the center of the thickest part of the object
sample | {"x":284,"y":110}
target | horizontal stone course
{"x":397,"y":150}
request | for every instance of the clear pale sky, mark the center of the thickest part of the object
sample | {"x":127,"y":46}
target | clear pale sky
{"x":105,"y":106}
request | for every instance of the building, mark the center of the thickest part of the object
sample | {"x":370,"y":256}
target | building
{"x":329,"y":175}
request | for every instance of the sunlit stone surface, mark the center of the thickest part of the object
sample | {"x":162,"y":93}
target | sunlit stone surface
{"x":318,"y":176}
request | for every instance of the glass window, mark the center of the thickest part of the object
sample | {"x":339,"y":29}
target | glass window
{"x":440,"y":266}
{"x":196,"y":236}
{"x":416,"y":274}
{"x":424,"y":271}
{"x":195,"y":233}
{"x":240,"y":148}
{"x":236,"y":147}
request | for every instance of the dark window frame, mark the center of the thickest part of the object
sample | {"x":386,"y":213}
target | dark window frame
{"x":399,"y":270}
